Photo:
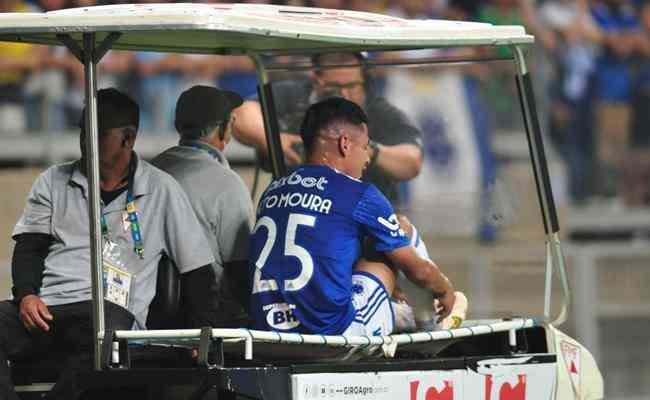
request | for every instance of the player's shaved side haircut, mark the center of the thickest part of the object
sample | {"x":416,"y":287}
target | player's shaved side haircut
{"x":325,"y":117}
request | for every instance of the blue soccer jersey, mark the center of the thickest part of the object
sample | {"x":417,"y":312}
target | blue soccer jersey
{"x":308,"y":236}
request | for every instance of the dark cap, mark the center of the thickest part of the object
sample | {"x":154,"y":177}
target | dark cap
{"x":199,"y":106}
{"x":114,"y":110}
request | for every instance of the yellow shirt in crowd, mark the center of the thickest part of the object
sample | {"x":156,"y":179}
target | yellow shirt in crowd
{"x":14,"y":50}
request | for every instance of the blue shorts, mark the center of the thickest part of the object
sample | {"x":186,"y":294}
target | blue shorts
{"x":374,"y":313}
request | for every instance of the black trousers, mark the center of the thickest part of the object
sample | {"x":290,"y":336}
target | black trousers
{"x":70,"y":334}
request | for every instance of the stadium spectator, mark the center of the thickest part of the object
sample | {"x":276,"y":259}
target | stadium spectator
{"x":415,"y":9}
{"x":16,"y":61}
{"x":158,"y":85}
{"x":477,"y":113}
{"x":46,"y":88}
{"x":196,"y":69}
{"x":620,"y":29}
{"x":568,"y":34}
{"x":337,"y":4}
{"x":237,"y":74}
{"x":635,"y":185}
{"x":374,"y":6}
{"x":500,"y":90}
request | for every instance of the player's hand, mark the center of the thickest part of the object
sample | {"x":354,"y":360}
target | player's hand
{"x":445,"y":304}
{"x":289,"y":144}
{"x":34,"y":313}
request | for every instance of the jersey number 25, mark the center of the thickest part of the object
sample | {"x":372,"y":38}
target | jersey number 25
{"x":290,"y":249}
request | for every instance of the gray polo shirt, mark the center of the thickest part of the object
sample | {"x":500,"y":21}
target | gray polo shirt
{"x":57,"y":206}
{"x":220,"y":199}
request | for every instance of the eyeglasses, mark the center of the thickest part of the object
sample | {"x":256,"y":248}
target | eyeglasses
{"x":334,"y":86}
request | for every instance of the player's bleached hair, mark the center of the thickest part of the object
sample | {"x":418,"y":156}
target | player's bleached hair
{"x":326,"y":117}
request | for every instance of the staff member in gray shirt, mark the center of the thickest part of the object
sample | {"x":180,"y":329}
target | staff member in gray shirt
{"x":145,"y":214}
{"x":219,"y":197}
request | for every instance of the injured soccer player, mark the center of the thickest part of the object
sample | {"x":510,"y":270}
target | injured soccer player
{"x":306,"y":267}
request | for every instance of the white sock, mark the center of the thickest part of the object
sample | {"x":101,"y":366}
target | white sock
{"x":403,"y":315}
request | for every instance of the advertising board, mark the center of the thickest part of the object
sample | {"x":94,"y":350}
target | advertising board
{"x":490,"y":379}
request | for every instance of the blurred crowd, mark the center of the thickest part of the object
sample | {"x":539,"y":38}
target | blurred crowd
{"x":593,"y":82}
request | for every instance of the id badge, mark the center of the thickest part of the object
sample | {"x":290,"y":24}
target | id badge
{"x":117,"y":280}
{"x":117,"y":285}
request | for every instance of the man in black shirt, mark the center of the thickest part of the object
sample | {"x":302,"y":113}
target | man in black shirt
{"x":395,"y":143}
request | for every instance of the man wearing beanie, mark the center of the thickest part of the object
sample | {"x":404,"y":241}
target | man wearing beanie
{"x":219,"y":197}
{"x":144,"y":214}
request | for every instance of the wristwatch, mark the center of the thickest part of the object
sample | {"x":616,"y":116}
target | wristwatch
{"x":374,"y":148}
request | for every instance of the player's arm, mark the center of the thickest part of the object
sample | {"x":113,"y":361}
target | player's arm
{"x":377,"y":216}
{"x":420,"y":271}
{"x":425,"y":274}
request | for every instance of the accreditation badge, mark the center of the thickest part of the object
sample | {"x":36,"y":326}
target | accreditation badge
{"x":117,"y":285}
{"x":117,"y":280}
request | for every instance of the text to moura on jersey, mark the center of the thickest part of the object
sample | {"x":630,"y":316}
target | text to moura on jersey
{"x":306,"y":201}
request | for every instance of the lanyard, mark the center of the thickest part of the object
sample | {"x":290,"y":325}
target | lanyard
{"x":203,"y":147}
{"x":131,"y":210}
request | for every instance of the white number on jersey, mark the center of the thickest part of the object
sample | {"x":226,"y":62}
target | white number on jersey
{"x":290,"y":249}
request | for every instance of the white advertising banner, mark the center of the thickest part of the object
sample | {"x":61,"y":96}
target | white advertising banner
{"x":498,"y":379}
{"x":399,"y":385}
{"x":511,"y":379}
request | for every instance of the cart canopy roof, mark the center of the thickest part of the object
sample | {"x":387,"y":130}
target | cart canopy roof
{"x":241,"y":28}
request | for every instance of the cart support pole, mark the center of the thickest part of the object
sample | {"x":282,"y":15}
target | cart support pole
{"x":92,"y":174}
{"x":544,"y":190}
{"x":270,"y":120}
{"x":90,"y":55}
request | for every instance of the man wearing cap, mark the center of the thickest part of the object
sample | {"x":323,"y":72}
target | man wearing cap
{"x":144,"y":215}
{"x":219,"y":197}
